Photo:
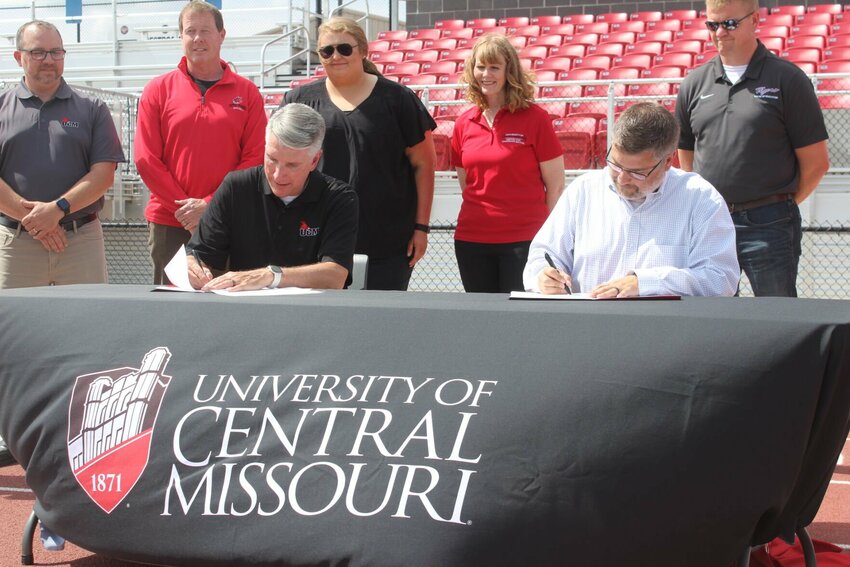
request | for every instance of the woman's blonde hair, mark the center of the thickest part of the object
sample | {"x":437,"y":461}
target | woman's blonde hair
{"x":519,"y":83}
{"x":352,"y":28}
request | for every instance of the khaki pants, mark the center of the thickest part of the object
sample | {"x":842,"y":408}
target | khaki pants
{"x":24,"y":262}
{"x":163,"y":242}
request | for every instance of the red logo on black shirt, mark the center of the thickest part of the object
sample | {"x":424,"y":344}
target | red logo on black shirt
{"x":68,"y":123}
{"x":305,"y":230}
{"x":236,"y":103}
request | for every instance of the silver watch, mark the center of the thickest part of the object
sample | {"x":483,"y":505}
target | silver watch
{"x":277,"y":272}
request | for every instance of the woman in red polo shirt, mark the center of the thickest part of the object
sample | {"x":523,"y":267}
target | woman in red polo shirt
{"x":509,"y":165}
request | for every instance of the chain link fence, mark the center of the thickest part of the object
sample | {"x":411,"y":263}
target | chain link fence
{"x":824,"y":265}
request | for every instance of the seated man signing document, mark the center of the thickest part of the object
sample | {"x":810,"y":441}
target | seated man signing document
{"x":281,"y":224}
{"x":639,"y":226}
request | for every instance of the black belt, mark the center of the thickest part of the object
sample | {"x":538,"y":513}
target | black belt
{"x":769,"y":200}
{"x":71,"y":225}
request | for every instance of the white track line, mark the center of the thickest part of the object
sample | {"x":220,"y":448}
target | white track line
{"x":13,"y":489}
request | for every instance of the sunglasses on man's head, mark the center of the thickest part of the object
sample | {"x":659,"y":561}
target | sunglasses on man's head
{"x":728,"y":25}
{"x":344,"y":49}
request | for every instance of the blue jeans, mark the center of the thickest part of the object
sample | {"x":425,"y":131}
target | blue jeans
{"x":769,"y":245}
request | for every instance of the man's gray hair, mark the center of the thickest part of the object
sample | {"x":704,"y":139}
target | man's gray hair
{"x":19,"y":37}
{"x":298,"y":126}
{"x":647,"y":126}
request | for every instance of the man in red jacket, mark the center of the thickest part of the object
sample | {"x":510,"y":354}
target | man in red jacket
{"x":196,"y":124}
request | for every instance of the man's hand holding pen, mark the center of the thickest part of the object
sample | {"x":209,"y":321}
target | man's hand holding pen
{"x":199,"y":274}
{"x":552,"y":280}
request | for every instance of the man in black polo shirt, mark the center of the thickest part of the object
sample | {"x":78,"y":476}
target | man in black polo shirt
{"x":281,"y":224}
{"x":752,"y":126}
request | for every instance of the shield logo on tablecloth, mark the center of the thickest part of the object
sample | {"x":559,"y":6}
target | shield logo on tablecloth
{"x":110,"y":422}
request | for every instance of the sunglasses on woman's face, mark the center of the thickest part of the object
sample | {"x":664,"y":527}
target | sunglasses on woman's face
{"x":344,"y":49}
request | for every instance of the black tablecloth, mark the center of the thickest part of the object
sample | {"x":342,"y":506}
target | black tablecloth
{"x":382,"y":428}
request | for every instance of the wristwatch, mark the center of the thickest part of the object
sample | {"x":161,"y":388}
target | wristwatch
{"x":64,"y":205}
{"x":277,"y":272}
{"x":422,"y":227}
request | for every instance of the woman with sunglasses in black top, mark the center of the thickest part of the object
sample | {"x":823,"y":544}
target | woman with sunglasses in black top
{"x":378,"y":139}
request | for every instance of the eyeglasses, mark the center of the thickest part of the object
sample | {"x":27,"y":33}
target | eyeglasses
{"x":344,"y":49}
{"x":634,"y":174}
{"x":41,"y":54}
{"x":729,"y":25}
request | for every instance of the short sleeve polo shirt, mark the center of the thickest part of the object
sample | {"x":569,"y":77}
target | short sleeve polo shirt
{"x":45,"y":148}
{"x":246,"y":226}
{"x":744,"y":135}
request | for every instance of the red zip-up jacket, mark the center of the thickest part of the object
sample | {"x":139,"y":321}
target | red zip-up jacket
{"x":186,"y":143}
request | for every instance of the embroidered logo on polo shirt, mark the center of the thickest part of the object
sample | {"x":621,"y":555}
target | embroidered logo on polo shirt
{"x":514,"y":138}
{"x":766,"y":92}
{"x":68,"y":123}
{"x":306,"y":230}
{"x":236,"y":103}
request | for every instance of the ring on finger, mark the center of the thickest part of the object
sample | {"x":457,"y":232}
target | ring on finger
{"x":618,"y":290}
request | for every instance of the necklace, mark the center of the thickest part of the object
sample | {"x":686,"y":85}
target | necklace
{"x":490,"y":115}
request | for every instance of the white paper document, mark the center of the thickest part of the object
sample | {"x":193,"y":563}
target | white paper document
{"x":584,"y":296}
{"x":177,"y":271}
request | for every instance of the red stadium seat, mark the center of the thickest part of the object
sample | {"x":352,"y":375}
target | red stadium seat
{"x":651,"y":47}
{"x":406,"y":45}
{"x":793,"y":10}
{"x":681,"y":15}
{"x":557,"y":29}
{"x":594,"y":62}
{"x":419,"y":80}
{"x":824,"y":18}
{"x":393,"y":35}
{"x":665,"y":25}
{"x":595,"y":27}
{"x":274,"y":98}
{"x":424,"y":34}
{"x":635,"y":26}
{"x":439,"y":67}
{"x":300,"y":82}
{"x":514,"y":21}
{"x":498,"y":30}
{"x":450,"y":112}
{"x":379,"y":45}
{"x":578,"y":18}
{"x":639,"y":60}
{"x":620,"y":73}
{"x":581,"y":122}
{"x":786,"y":20}
{"x":548,"y":40}
{"x":775,"y":44}
{"x":656,"y":89}
{"x":386,"y":56}
{"x":458,"y":33}
{"x":840,"y":52}
{"x":701,"y":34}
{"x":460,"y":55}
{"x":810,"y":54}
{"x":544,"y":75}
{"x":664,"y":36}
{"x":423,"y":56}
{"x":679,"y":58}
{"x":687,"y":45}
{"x":693,"y":24}
{"x":646,"y":16}
{"x":569,"y":50}
{"x":546,"y":20}
{"x":578,"y":149}
{"x":534,"y":51}
{"x":612,"y":17}
{"x":554,"y":64}
{"x":835,"y":66}
{"x":838,"y":40}
{"x":518,"y":41}
{"x":828,"y":8}
{"x":813,"y":29}
{"x":840,"y":28}
{"x":400,"y":69}
{"x":582,"y":38}
{"x":442,"y":44}
{"x":482,"y":23}
{"x":587,"y":74}
{"x":618,"y":37}
{"x":527,"y":31}
{"x":529,"y":63}
{"x":449,"y":24}
{"x":818,"y":41}
{"x":613,"y":49}
{"x":443,"y":151}
{"x":775,"y":31}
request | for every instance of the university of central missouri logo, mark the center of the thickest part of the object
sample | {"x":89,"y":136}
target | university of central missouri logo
{"x":110,"y":423}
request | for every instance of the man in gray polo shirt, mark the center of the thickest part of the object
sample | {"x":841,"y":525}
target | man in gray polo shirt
{"x":58,"y":151}
{"x":752,"y":126}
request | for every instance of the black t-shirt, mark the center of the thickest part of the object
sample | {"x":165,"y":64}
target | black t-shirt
{"x":247,"y":225}
{"x":366,"y":147}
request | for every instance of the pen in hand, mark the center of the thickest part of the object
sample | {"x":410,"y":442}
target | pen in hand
{"x":551,"y":263}
{"x":200,"y":264}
